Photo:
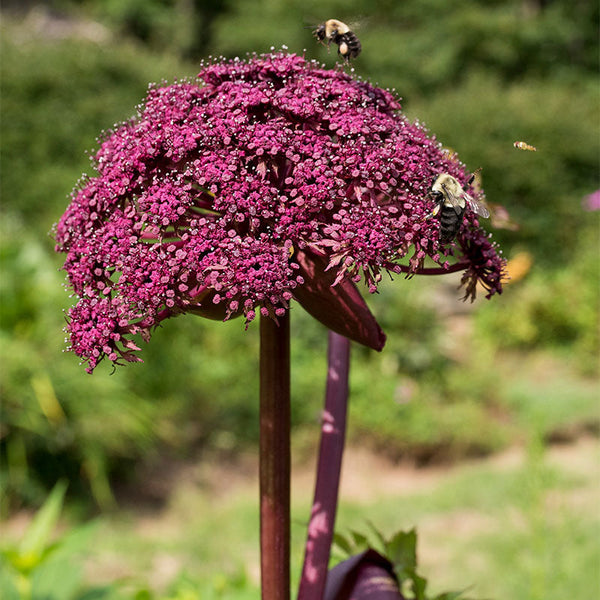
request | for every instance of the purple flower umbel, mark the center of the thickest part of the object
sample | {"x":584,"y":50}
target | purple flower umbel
{"x":268,"y":180}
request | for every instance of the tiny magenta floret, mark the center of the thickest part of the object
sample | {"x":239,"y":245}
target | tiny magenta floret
{"x":235,"y":193}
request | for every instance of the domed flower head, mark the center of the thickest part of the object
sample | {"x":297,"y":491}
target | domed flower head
{"x":263,"y":181}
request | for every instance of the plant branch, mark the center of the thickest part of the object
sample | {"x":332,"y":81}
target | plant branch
{"x":396,"y":268}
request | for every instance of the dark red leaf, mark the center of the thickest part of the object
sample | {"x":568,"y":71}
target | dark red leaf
{"x":340,"y":308}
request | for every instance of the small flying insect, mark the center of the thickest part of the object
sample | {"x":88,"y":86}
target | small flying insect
{"x":452,"y":202}
{"x":339,"y":33}
{"x":525,"y":146}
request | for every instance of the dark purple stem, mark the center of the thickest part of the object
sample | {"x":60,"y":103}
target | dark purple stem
{"x":275,"y":458}
{"x":333,"y":430}
{"x":396,"y":268}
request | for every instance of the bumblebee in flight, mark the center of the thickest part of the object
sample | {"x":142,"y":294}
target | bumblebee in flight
{"x":525,"y":146}
{"x":452,"y":202}
{"x":339,"y":33}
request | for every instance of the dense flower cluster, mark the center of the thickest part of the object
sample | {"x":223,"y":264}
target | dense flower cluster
{"x":224,"y":196}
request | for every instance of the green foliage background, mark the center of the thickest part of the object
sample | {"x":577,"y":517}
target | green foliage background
{"x":480,"y":74}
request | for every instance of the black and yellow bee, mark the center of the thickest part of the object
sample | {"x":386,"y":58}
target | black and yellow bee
{"x":339,"y":33}
{"x":452,"y":202}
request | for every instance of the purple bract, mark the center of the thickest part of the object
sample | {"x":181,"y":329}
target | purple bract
{"x":266,"y":180}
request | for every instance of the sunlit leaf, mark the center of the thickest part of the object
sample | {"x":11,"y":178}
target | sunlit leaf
{"x":38,"y":533}
{"x":402,"y":550}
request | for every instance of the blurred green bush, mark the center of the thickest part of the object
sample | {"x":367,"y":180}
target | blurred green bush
{"x":481,"y":75}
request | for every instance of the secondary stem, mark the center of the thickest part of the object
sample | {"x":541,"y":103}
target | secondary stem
{"x":275,"y":458}
{"x":333,"y":430}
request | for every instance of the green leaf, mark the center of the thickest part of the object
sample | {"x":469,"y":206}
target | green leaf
{"x":98,"y":593}
{"x":419,"y":584}
{"x":56,"y":579}
{"x":8,"y":589}
{"x":401,"y":550}
{"x":360,"y":540}
{"x":343,"y":543}
{"x":37,"y":536}
{"x":449,"y":596}
{"x":378,"y":535}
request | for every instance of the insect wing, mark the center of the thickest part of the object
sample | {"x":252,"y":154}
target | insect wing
{"x":360,"y":22}
{"x":453,"y":200}
{"x":477,"y":207}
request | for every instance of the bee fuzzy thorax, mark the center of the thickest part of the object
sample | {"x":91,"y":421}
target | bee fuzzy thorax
{"x":340,"y":34}
{"x":337,"y":26}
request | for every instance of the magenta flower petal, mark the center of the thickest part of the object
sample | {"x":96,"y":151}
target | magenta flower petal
{"x":340,"y":308}
{"x":212,"y":198}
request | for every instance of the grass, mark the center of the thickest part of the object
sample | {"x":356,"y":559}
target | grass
{"x":521,"y":525}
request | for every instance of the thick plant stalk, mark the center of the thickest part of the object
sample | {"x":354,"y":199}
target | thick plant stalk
{"x":275,"y":458}
{"x":333,"y":430}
